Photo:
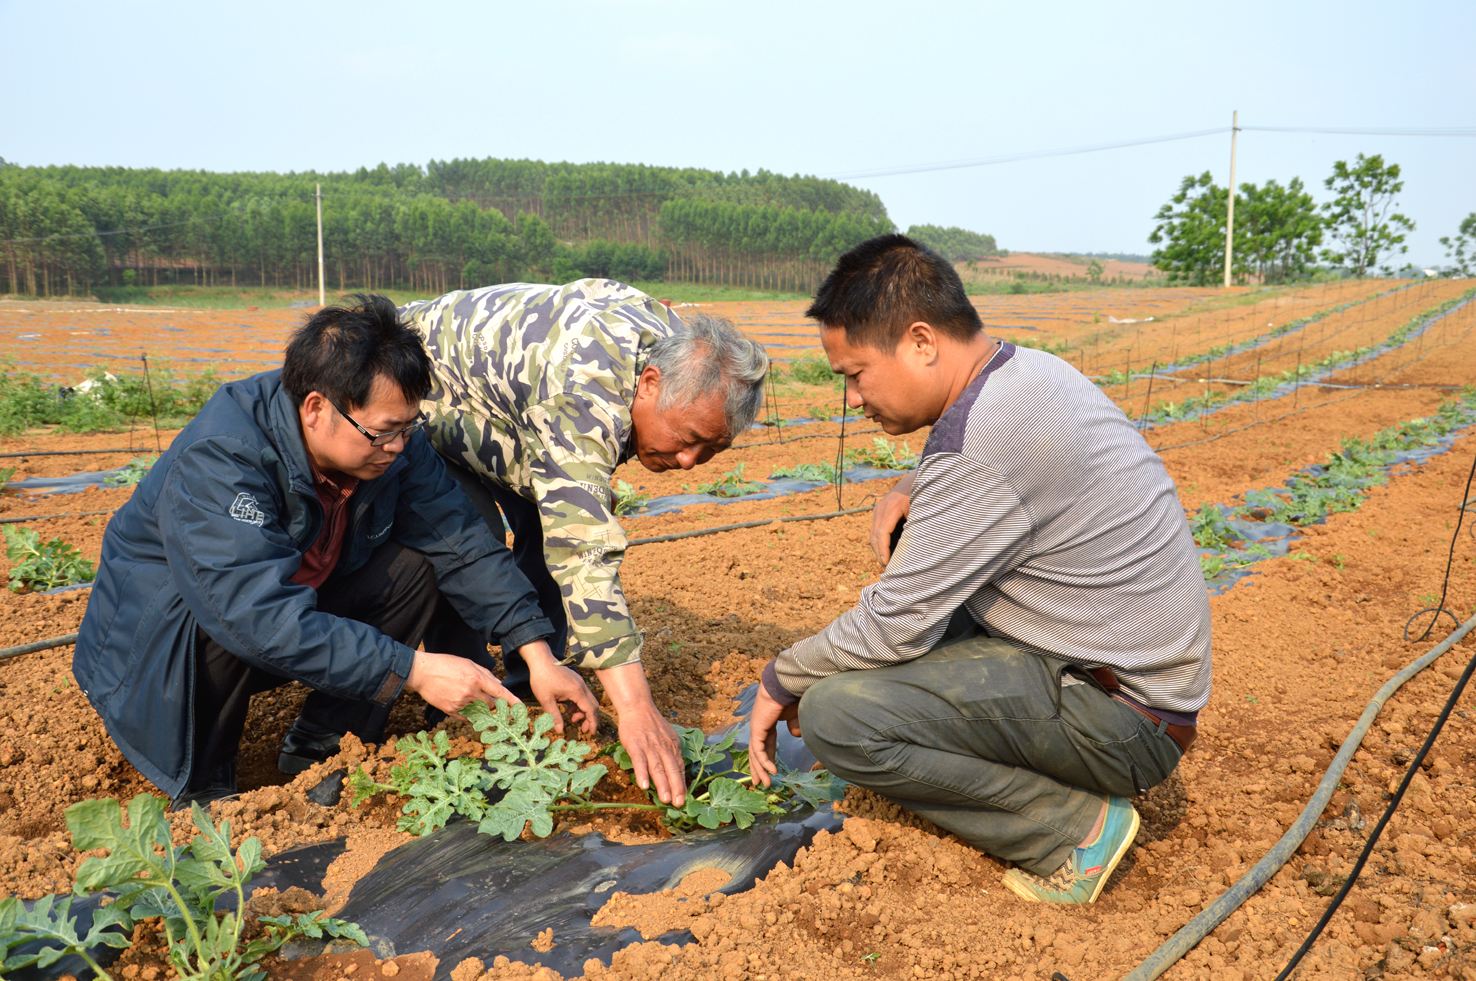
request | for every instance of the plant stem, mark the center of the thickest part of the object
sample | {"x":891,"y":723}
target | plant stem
{"x":590,"y":805}
{"x":187,"y":914}
{"x":96,"y":967}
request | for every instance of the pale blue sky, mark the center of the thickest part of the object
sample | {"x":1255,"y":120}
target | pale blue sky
{"x":824,"y":88}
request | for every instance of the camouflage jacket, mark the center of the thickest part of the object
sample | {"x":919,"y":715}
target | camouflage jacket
{"x":533,"y":387}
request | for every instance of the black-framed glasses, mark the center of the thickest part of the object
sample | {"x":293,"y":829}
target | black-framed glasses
{"x":379,"y":439}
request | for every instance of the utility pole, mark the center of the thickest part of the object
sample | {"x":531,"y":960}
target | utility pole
{"x":1230,"y":198}
{"x":318,"y":193}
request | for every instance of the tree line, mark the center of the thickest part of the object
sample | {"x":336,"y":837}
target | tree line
{"x":954,"y":244}
{"x":1281,"y":232}
{"x":449,"y":225}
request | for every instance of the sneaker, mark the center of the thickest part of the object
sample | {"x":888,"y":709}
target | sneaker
{"x":1086,"y":870}
{"x":304,"y":746}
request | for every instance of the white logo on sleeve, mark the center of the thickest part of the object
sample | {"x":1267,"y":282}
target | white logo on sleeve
{"x":244,"y":509}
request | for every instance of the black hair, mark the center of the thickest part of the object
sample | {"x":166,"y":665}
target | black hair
{"x":887,"y":283}
{"x":341,"y":349}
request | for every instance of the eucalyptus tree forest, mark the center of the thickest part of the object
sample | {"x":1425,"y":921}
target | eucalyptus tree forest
{"x":448,"y":225}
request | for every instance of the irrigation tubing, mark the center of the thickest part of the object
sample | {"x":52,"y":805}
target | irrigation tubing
{"x":1368,"y":847}
{"x":41,"y":645}
{"x":22,"y":453}
{"x":699,"y":532}
{"x":1218,"y":911}
{"x":1439,"y":607}
{"x":27,"y":518}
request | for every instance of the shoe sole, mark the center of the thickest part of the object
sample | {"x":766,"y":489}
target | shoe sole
{"x":1025,"y":893}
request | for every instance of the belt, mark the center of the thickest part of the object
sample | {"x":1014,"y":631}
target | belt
{"x":1183,"y":736}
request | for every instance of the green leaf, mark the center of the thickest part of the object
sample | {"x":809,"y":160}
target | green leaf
{"x":813,"y":787}
{"x":49,"y":921}
{"x":142,"y":848}
{"x":516,"y":810}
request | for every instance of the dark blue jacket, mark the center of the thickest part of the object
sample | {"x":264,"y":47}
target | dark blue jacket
{"x":212,"y":538}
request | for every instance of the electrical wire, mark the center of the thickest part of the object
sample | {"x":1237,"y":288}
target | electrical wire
{"x":1373,"y":838}
{"x":1439,"y":607}
{"x":1436,"y":131}
{"x":1030,"y":155}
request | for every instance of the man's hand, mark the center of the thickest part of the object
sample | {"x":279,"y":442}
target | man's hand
{"x":451,"y":683}
{"x":650,"y":740}
{"x":891,"y":509}
{"x":553,"y":683}
{"x":763,"y":739}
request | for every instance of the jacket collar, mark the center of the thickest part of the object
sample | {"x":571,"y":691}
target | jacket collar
{"x":286,"y":431}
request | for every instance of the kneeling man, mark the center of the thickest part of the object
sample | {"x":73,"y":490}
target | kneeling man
{"x":1038,"y":647}
{"x":302,"y":528}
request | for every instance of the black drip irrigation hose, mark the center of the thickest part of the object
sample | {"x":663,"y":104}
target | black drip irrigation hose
{"x":1373,"y":838}
{"x":25,"y":518}
{"x":699,"y":532}
{"x":40,"y":645}
{"x":22,"y":453}
{"x":1439,"y":607}
{"x":1191,"y":933}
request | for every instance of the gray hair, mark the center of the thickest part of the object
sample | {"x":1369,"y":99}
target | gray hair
{"x":710,"y":356}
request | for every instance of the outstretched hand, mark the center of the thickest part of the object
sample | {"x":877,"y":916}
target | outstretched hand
{"x":654,"y":751}
{"x":451,"y":683}
{"x":763,"y":737}
{"x":553,"y":683}
{"x":650,"y":741}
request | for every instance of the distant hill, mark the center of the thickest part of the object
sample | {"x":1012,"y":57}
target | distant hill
{"x":447,"y":225}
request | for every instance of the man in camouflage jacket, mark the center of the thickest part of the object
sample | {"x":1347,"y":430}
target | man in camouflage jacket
{"x":539,"y":393}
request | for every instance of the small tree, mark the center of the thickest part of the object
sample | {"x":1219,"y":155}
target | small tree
{"x":1460,"y":249}
{"x":1191,"y":231}
{"x":1358,"y":218}
{"x":1277,"y":229}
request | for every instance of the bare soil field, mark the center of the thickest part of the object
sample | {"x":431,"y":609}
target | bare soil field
{"x":1301,"y":645}
{"x":1054,"y":265}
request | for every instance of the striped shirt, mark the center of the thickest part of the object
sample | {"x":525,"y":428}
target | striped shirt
{"x":1039,"y":508}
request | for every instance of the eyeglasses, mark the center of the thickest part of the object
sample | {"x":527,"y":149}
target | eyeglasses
{"x":379,"y":439}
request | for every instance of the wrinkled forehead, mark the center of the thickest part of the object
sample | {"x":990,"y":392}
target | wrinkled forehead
{"x":704,"y":420}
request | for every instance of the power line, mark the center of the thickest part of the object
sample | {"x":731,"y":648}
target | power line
{"x":1454,"y":132}
{"x":1437,"y":131}
{"x":1430,"y":131}
{"x":1032,"y":155}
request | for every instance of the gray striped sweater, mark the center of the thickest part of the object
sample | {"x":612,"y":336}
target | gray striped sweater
{"x":1039,"y":508}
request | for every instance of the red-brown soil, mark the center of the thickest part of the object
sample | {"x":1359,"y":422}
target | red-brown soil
{"x":1300,"y":647}
{"x":1054,"y":265}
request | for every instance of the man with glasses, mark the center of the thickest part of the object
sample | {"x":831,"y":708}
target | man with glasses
{"x":302,"y":528}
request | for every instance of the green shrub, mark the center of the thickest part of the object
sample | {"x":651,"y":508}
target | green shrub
{"x":627,"y":498}
{"x":132,"y":472}
{"x":148,"y":877}
{"x":105,"y":402}
{"x":810,"y":369}
{"x":807,"y":471}
{"x":731,"y":484}
{"x":883,"y":454}
{"x":39,"y":565}
{"x":542,"y":775}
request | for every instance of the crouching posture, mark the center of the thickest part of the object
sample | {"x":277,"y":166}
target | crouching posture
{"x":1038,"y":647}
{"x":302,"y":528}
{"x":540,"y":393}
